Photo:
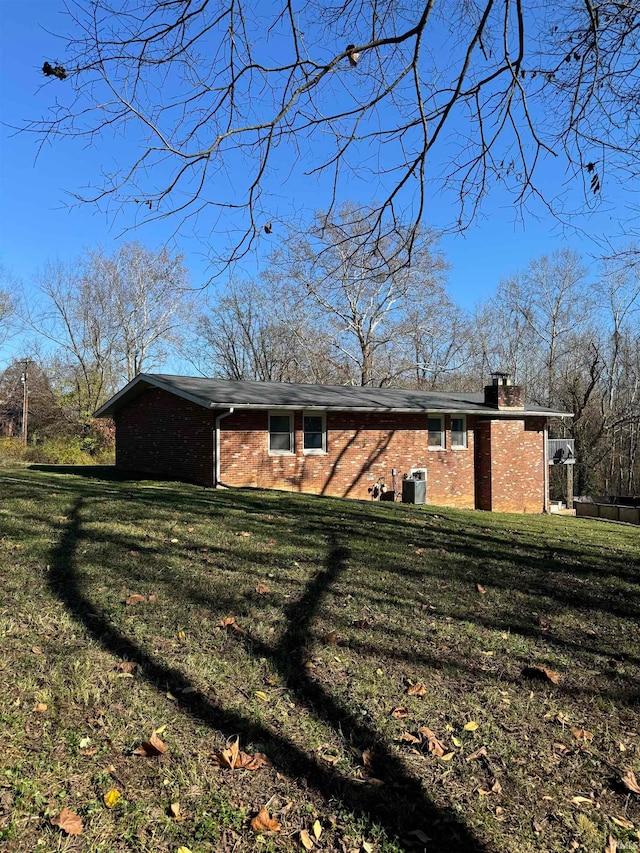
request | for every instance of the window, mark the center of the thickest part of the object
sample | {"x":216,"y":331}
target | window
{"x":435,"y":426}
{"x":280,"y":432}
{"x":315,"y":433}
{"x":458,"y":432}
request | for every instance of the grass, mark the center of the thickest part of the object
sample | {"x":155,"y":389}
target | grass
{"x":363,"y":600}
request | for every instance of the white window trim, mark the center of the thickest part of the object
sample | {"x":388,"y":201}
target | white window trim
{"x":464,"y":446}
{"x":442,"y":432}
{"x":315,"y":451}
{"x":292,"y":437}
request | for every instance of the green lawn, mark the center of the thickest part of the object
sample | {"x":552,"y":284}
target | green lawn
{"x":340,"y":607}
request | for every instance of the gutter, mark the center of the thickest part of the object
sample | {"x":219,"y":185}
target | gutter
{"x":216,"y":472}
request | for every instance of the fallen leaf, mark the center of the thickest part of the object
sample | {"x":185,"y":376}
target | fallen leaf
{"x":183,"y":850}
{"x":367,"y":846}
{"x":243,"y":533}
{"x":399,"y":713}
{"x":84,"y":742}
{"x":127,"y":666}
{"x":69,"y":822}
{"x":578,"y":800}
{"x":581,"y":734}
{"x":228,"y":757}
{"x":477,"y":754}
{"x":542,"y":672}
{"x":317,"y":829}
{"x":262,"y":695}
{"x":176,"y":814}
{"x":629,"y":781}
{"x":447,"y":756}
{"x":40,"y":708}
{"x":262,"y":589}
{"x":90,"y":751}
{"x":152,"y":598}
{"x":409,"y":738}
{"x":623,"y":822}
{"x":416,"y":690}
{"x":262,"y":822}
{"x":305,"y":840}
{"x":227,"y":621}
{"x":36,"y":650}
{"x":470,"y":726}
{"x":154,"y":746}
{"x":480,"y":589}
{"x":111,"y":798}
{"x":434,"y":745}
{"x":496,"y":787}
{"x":135,"y":599}
{"x":612,"y":845}
{"x":173,"y":541}
{"x":456,"y":741}
{"x":331,"y":638}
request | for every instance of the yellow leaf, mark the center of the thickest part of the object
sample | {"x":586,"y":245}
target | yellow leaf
{"x":183,"y":850}
{"x":456,"y":741}
{"x":111,"y":798}
{"x":181,"y":636}
{"x":305,"y":840}
{"x":471,"y":726}
{"x":176,"y":814}
{"x":623,"y":822}
{"x":262,"y":695}
{"x":447,"y":757}
{"x":160,"y":730}
{"x":317,"y":829}
{"x":580,"y":800}
{"x":40,"y":708}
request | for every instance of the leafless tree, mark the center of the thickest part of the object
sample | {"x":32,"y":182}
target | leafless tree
{"x":360,"y":297}
{"x":107,"y":317}
{"x":224,"y":103}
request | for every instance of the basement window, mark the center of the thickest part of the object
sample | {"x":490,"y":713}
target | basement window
{"x":280,"y":433}
{"x":435,"y":427}
{"x":315,"y":433}
{"x":458,"y":432}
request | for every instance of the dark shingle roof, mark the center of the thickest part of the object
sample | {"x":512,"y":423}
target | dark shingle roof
{"x":227,"y":393}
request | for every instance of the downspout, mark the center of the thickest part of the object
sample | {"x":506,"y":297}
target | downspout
{"x":545,"y":460}
{"x":216,"y":475}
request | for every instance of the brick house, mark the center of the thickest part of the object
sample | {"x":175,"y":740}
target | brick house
{"x":484,"y":451}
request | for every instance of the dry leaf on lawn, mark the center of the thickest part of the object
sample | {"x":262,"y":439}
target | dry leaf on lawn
{"x":69,"y":822}
{"x":477,"y":753}
{"x":127,"y":666}
{"x":111,"y":798}
{"x":176,"y":814}
{"x":399,"y":713}
{"x":136,"y":598}
{"x":581,"y":734}
{"x":624,"y":822}
{"x":262,"y":822}
{"x":40,"y":708}
{"x":317,"y":829}
{"x":470,"y":726}
{"x":542,"y":672}
{"x":36,"y":650}
{"x":152,"y":598}
{"x":612,"y":845}
{"x":629,"y":781}
{"x":480,"y":589}
{"x":578,"y":801}
{"x":434,"y":745}
{"x":407,"y":737}
{"x":262,"y":589}
{"x":305,"y":840}
{"x":151,"y":747}
{"x":416,"y":690}
{"x":447,"y":757}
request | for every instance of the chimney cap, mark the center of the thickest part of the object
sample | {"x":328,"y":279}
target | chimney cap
{"x":500,"y":377}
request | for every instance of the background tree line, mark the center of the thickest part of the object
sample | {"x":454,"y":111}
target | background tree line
{"x":325,"y":310}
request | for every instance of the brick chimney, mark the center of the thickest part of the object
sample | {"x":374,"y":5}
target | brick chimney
{"x":501,"y":394}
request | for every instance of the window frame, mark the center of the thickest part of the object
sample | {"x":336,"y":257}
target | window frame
{"x":465,"y":444}
{"x":443,"y":433}
{"x":279,"y":413}
{"x":315,"y":451}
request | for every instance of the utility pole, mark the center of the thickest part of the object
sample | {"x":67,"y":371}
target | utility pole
{"x":25,"y":398}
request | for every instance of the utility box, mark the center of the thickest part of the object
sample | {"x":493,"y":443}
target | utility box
{"x":414,"y":491}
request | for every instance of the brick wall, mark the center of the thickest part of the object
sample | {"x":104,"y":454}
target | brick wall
{"x":159,"y":433}
{"x":361,"y":449}
{"x":502,"y":467}
{"x":510,"y":466}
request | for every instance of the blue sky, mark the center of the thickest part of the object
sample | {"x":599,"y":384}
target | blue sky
{"x":37,"y":222}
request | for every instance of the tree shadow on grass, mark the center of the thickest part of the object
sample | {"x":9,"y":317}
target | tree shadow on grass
{"x":399,"y":805}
